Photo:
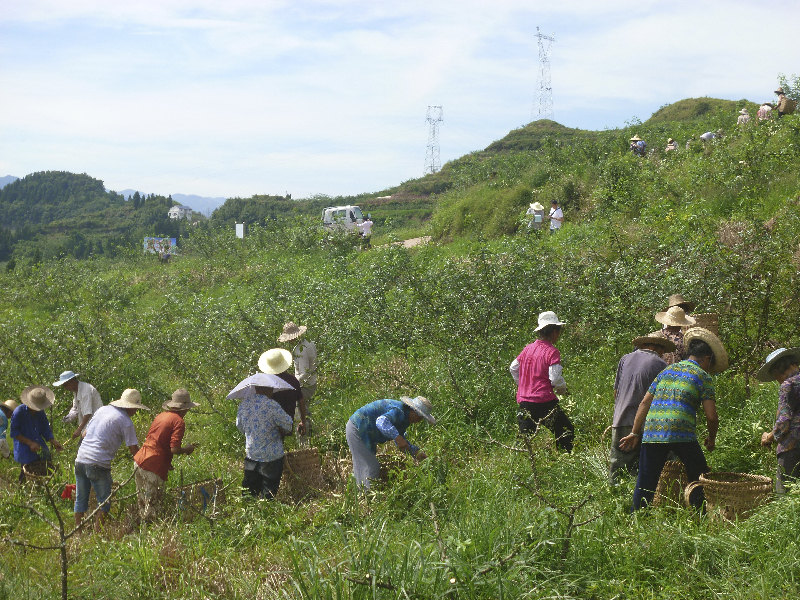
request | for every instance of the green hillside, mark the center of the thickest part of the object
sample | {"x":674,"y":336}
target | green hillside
{"x":488,"y":514}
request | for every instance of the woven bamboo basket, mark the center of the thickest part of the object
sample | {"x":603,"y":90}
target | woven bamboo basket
{"x":302,"y":473}
{"x":732,"y":496}
{"x":708,"y":321}
{"x":39,"y":471}
{"x":671,"y":485}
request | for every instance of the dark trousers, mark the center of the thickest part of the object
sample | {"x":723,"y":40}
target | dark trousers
{"x":262,"y":479}
{"x":551,"y":416}
{"x":788,"y":469}
{"x":651,"y":461}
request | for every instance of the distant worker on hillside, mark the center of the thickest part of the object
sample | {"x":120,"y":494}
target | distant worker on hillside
{"x":638,"y":145}
{"x":85,"y":401}
{"x":538,"y":374}
{"x":783,"y":366}
{"x":785,"y":104}
{"x":673,"y":319}
{"x":666,"y":420}
{"x":380,"y":422}
{"x":764,"y":111}
{"x":635,"y":372}
{"x":366,"y":232}
{"x":535,"y":217}
{"x":744,"y":117}
{"x":712,"y":135}
{"x":671,"y":145}
{"x":556,"y":216}
{"x":305,"y":367}
{"x":30,"y":428}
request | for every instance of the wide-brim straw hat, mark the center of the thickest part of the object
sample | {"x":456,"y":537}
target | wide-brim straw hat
{"x":65,"y":377}
{"x":274,"y":361}
{"x":421,"y":405}
{"x":675,"y":317}
{"x":9,"y":405}
{"x":131,"y":398}
{"x":780,"y":91}
{"x":548,"y":318}
{"x":37,"y":397}
{"x":291,"y":332}
{"x":670,"y":140}
{"x":720,"y":355}
{"x":636,"y":138}
{"x":180,"y":401}
{"x":656,"y":340}
{"x":537,"y":206}
{"x":764,"y":372}
{"x":744,"y":112}
{"x":677,"y":300}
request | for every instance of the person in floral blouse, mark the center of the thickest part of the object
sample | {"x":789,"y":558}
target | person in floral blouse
{"x":782,"y":366}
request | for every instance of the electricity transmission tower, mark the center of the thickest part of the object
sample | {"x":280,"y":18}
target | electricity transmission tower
{"x":543,"y":99}
{"x":432,"y":161}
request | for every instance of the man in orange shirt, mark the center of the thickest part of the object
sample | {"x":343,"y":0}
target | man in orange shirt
{"x":154,"y":460}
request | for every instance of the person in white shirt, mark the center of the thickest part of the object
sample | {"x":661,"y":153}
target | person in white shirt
{"x":366,"y":232}
{"x":744,"y":117}
{"x":556,"y":216}
{"x":105,"y":433}
{"x":305,"y":364}
{"x":86,"y":400}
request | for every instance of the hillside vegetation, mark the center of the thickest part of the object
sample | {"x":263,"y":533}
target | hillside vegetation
{"x":483,"y":516}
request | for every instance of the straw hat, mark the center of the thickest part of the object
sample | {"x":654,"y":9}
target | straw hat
{"x":763,"y":373}
{"x":720,"y":355}
{"x":670,"y":140}
{"x":421,"y":405}
{"x":65,"y":377}
{"x":548,"y":318}
{"x":744,"y":112}
{"x":537,"y":206}
{"x":780,"y":91}
{"x":656,"y":340}
{"x":636,"y":138}
{"x":677,"y":300}
{"x":9,"y":405}
{"x":180,"y":401}
{"x":291,"y":332}
{"x":130,"y":398}
{"x":675,"y":317}
{"x":37,"y":397}
{"x":275,"y":361}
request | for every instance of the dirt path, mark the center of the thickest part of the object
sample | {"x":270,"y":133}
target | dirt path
{"x":416,"y":241}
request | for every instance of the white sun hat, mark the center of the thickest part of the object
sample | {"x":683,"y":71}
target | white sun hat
{"x":764,"y":372}
{"x":65,"y":377}
{"x":548,"y":318}
{"x":275,"y":361}
{"x":421,"y":405}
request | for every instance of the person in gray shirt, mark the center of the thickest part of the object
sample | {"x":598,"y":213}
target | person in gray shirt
{"x":635,"y":372}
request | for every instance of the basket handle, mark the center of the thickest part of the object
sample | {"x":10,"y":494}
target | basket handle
{"x":689,"y":489}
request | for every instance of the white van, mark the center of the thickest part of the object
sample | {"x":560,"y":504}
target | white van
{"x":342,"y":216}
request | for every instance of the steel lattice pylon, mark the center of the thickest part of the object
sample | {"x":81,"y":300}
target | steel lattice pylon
{"x":543,"y":100}
{"x":432,"y":161}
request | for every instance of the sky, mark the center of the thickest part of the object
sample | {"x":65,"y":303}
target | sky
{"x":241,"y":97}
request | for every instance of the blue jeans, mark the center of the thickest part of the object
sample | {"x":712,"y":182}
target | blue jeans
{"x":651,"y":461}
{"x":91,"y":476}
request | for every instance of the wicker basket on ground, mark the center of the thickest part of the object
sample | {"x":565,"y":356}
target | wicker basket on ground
{"x":302,"y":474}
{"x":731,"y":496}
{"x":39,"y":471}
{"x":708,"y":321}
{"x":671,"y":485}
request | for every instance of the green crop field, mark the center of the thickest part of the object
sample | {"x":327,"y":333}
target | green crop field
{"x":486,"y":515}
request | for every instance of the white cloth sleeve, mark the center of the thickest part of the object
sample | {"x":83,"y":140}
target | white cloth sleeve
{"x":514,"y":369}
{"x":557,"y":379}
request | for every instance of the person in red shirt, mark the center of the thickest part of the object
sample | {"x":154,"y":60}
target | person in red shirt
{"x":537,"y":373}
{"x":154,"y":459}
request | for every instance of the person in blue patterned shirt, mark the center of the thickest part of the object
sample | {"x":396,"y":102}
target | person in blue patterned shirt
{"x":667,"y":416}
{"x":264,"y":424}
{"x":783,"y":366}
{"x":379,"y":422}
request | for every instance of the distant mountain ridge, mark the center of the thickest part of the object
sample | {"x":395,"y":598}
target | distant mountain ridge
{"x":201,"y":204}
{"x":4,"y":181}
